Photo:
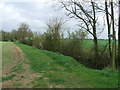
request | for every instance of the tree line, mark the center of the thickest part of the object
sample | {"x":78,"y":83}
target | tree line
{"x":53,"y":39}
{"x":87,"y":13}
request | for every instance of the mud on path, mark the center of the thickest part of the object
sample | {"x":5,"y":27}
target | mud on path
{"x":18,"y":74}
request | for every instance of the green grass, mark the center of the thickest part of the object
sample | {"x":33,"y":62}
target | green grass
{"x":65,"y":71}
{"x":88,"y":44}
{"x":6,"y":57}
{"x":8,"y":60}
{"x":17,"y":85}
{"x":18,"y":68}
{"x":9,"y":77}
{"x":7,"y":51}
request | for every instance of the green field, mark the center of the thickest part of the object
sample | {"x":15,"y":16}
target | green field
{"x":55,"y":70}
{"x":88,"y":44}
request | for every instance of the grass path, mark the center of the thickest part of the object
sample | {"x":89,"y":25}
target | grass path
{"x":28,"y":67}
{"x":16,"y":71}
{"x":59,"y":71}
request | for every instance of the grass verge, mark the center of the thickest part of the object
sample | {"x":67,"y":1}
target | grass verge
{"x":59,"y":71}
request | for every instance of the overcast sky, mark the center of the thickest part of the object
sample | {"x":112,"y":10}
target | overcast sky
{"x":36,"y":14}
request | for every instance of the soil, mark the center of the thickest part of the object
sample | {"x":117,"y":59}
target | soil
{"x":20,"y":70}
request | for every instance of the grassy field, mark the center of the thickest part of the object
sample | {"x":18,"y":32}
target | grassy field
{"x":62,"y":71}
{"x":88,"y":44}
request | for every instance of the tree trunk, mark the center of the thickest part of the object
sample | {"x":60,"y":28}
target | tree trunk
{"x":94,"y":31}
{"x":119,"y":38}
{"x":96,"y":47}
{"x":109,"y":31}
{"x":114,"y":38}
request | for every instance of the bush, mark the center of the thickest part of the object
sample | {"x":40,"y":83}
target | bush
{"x":52,"y":37}
{"x":37,"y":41}
{"x":89,"y":59}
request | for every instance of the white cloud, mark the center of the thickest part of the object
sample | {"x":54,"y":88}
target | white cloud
{"x":36,"y":14}
{"x":25,"y":0}
{"x":11,"y":17}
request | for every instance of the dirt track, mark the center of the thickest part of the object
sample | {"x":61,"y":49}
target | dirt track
{"x":19,"y":73}
{"x":17,"y":52}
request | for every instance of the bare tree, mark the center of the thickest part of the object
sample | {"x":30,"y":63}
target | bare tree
{"x":53,"y":35}
{"x":24,"y":33}
{"x":87,"y":17}
{"x":111,"y":24}
{"x":114,"y":37}
{"x":109,"y":29}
